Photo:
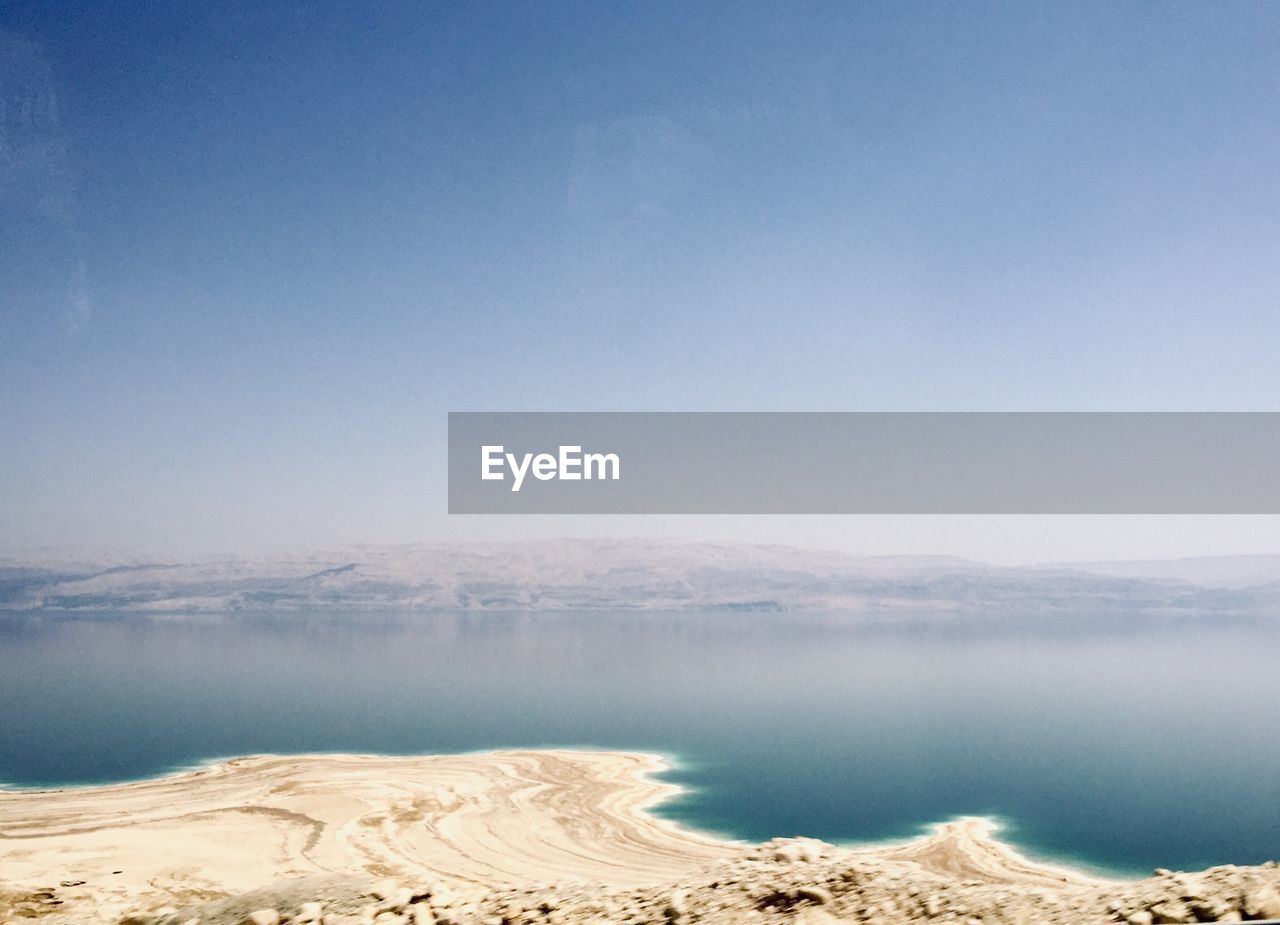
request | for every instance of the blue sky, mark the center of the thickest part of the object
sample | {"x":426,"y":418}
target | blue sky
{"x":252,"y":253}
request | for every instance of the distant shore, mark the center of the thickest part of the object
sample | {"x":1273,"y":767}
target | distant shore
{"x":502,"y":818}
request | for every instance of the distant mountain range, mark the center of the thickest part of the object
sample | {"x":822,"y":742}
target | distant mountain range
{"x":644,"y":575}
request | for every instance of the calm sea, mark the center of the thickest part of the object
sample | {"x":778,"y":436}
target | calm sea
{"x":1121,"y":746}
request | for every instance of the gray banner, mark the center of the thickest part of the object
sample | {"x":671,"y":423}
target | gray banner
{"x":864,"y":463}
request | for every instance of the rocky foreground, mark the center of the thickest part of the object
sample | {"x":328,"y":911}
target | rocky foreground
{"x":512,"y":837}
{"x":787,"y":880}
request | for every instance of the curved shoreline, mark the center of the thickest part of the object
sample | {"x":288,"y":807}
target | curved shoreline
{"x":664,"y":762}
{"x":511,"y":818}
{"x":986,"y":831}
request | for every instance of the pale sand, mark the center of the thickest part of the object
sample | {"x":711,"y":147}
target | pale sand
{"x":498,"y":818}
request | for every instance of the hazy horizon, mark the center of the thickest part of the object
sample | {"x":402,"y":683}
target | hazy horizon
{"x":1003,"y":540}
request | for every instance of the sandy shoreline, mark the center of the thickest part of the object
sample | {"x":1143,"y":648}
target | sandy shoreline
{"x":497,"y":819}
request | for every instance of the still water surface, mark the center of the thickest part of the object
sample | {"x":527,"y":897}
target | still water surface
{"x":1121,"y":746}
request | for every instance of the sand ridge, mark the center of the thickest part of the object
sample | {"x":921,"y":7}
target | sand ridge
{"x":496,"y":818}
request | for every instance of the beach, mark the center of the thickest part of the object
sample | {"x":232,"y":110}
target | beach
{"x":497,"y":818}
{"x":472,"y":825}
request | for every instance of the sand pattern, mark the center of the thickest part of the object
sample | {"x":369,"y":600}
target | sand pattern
{"x":504,"y":821}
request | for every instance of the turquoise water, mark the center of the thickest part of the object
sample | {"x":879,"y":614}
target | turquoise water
{"x":1121,"y":745}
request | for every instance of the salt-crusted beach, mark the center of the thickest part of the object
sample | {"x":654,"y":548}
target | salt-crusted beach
{"x":515,"y":836}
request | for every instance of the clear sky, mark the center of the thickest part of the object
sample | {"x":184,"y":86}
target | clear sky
{"x":251,"y":253}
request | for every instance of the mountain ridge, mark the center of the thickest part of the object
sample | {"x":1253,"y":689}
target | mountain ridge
{"x":580,"y":574}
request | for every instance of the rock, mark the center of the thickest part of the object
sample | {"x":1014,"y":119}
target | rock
{"x":1171,"y":912}
{"x":798,"y":849}
{"x":1262,"y":902}
{"x":1210,"y":910}
{"x":677,"y":906}
{"x":1141,"y":917}
{"x":442,"y":897}
{"x":396,"y":900}
{"x":308,"y":913}
{"x":421,"y":914}
{"x":813,"y":894}
{"x":816,"y":917}
{"x":263,"y":917}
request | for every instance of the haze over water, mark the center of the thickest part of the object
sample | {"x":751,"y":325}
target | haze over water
{"x":1125,"y":749}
